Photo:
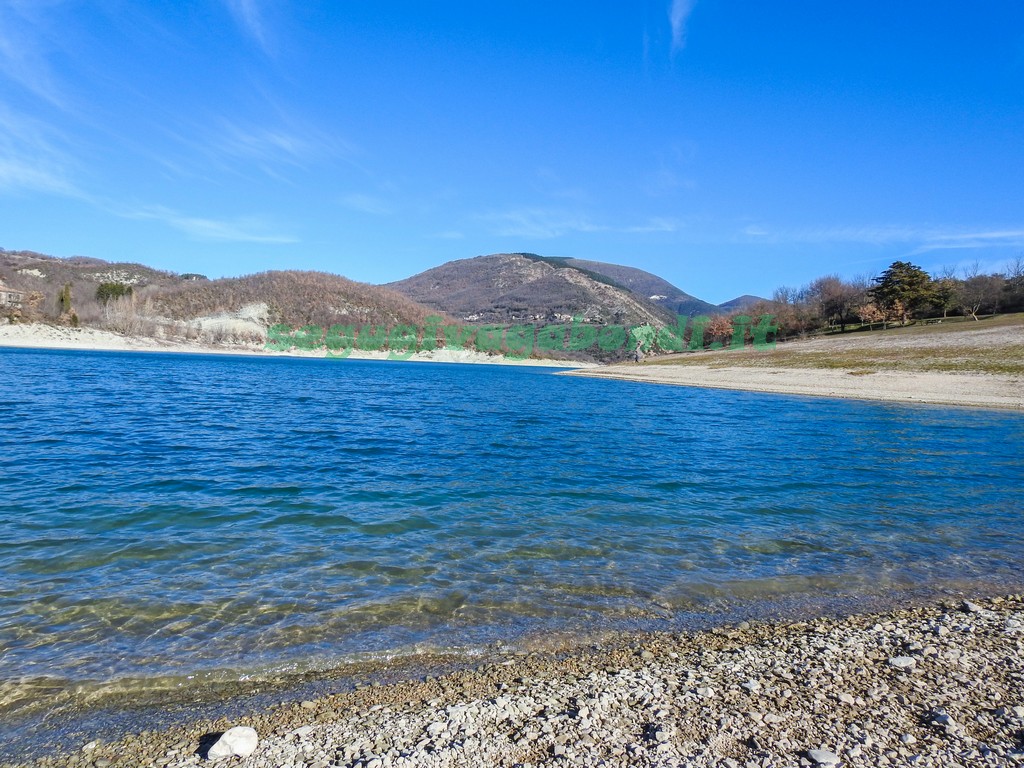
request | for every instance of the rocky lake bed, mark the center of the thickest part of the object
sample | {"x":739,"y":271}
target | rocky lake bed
{"x":936,"y":685}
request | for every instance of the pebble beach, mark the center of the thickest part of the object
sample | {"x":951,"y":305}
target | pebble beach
{"x":938,"y":685}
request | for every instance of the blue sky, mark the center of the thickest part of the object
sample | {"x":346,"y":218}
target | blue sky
{"x":728,"y":147}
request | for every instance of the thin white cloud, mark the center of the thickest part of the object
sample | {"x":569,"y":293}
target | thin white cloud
{"x":546,"y":224}
{"x":1009,"y":238}
{"x":17,"y":176}
{"x":656,"y":224}
{"x":271,"y":148}
{"x":25,"y":42}
{"x":262,"y":147}
{"x":366,"y":204}
{"x":538,"y":223}
{"x":35,"y":158}
{"x":264,"y":143}
{"x":678,"y":14}
{"x":30,"y":157}
{"x":870,"y":235}
{"x":919,"y":239}
{"x":249,"y":16}
{"x":240,"y":230}
{"x":665,"y":181}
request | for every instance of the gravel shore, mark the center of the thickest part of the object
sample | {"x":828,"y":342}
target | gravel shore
{"x":941,"y":685}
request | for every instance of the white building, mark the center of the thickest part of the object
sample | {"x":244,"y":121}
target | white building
{"x":10,"y":297}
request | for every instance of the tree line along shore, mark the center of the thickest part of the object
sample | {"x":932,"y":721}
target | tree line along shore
{"x":139,"y":302}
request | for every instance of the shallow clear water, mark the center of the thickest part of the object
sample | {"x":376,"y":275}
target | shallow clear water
{"x":167,"y":516}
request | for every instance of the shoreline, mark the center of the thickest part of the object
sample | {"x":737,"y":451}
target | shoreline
{"x":909,"y":387}
{"x":41,"y":336}
{"x":962,"y":365}
{"x":933,"y":684}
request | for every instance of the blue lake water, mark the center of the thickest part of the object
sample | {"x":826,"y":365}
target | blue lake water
{"x":200,"y":517}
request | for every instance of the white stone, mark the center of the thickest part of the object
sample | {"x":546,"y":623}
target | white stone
{"x":823,"y":757}
{"x":435,"y":729}
{"x":903,"y":662}
{"x":239,"y":741}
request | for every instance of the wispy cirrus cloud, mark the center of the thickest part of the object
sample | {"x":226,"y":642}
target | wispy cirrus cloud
{"x":921,"y":238}
{"x":248,"y":229}
{"x":678,"y":14}
{"x":31,"y":157}
{"x":1008,"y":238}
{"x":16,"y":175}
{"x":264,"y":143}
{"x":249,"y":16}
{"x":655,"y":224}
{"x":538,"y":223}
{"x":546,"y":224}
{"x":366,"y":204}
{"x":275,"y":147}
{"x":274,"y":144}
{"x":26,"y":40}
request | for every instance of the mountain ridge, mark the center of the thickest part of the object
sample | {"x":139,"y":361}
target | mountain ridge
{"x":501,"y":289}
{"x":525,"y":287}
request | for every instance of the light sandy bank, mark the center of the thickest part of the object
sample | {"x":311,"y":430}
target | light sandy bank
{"x":40,"y":336}
{"x":965,"y":389}
{"x":952,"y":363}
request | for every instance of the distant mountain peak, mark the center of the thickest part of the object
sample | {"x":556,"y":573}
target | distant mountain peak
{"x":740,"y":303}
{"x":528,"y":287}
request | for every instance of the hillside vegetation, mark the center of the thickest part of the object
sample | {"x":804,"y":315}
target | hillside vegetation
{"x":136,"y":300}
{"x":526,"y":288}
{"x":294,"y":298}
{"x":43,"y":279}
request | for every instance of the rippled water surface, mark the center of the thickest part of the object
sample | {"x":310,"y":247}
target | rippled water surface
{"x":168,"y":516}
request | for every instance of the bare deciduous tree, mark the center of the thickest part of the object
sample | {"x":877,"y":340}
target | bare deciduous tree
{"x":120,"y":315}
{"x":978,"y":291}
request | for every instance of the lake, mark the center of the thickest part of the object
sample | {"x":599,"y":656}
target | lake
{"x":167,"y":519}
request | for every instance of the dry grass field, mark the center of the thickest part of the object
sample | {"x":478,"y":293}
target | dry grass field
{"x":993,"y":345}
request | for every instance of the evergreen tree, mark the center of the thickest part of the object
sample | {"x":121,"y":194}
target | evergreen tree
{"x":903,"y":290}
{"x":64,"y":299}
{"x":107,"y":291}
